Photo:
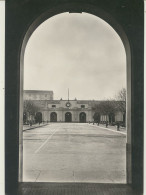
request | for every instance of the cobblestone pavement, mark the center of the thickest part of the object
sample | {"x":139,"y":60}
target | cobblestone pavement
{"x":74,"y":152}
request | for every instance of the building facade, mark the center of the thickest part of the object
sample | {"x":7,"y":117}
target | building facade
{"x":37,"y":95}
{"x":49,"y":110}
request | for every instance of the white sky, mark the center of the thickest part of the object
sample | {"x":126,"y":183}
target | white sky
{"x":76,"y":51}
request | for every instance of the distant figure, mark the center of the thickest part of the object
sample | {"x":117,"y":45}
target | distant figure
{"x":98,"y":123}
{"x":118,"y":126}
{"x":89,"y":122}
{"x":106,"y":124}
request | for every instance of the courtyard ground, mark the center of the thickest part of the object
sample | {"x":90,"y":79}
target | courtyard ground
{"x":74,"y":152}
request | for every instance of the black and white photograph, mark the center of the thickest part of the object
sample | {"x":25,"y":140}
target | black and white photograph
{"x":74,"y":102}
{"x":74,"y":97}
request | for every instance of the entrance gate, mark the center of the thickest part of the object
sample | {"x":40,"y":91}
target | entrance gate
{"x":68,"y":117}
{"x":53,"y":117}
{"x":82,"y":117}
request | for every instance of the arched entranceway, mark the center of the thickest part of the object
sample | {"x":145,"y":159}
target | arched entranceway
{"x":133,"y":82}
{"x":68,"y":117}
{"x":38,"y":117}
{"x":53,"y":117}
{"x":82,"y":117}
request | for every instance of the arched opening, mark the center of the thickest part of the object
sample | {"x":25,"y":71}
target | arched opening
{"x":121,"y":16}
{"x":38,"y":117}
{"x":53,"y":117}
{"x":82,"y":117}
{"x":118,"y":28}
{"x":68,"y":117}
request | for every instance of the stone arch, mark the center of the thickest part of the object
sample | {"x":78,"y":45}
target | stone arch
{"x":68,"y":117}
{"x":82,"y":117}
{"x":93,"y":9}
{"x":53,"y":117}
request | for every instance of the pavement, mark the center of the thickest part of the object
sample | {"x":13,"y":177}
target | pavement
{"x":122,"y":130}
{"x":74,"y":152}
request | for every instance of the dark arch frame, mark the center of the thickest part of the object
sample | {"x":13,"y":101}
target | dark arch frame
{"x":52,"y":119}
{"x":79,"y":7}
{"x":121,"y":16}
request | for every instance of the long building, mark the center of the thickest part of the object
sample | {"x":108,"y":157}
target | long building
{"x":37,"y":95}
{"x":50,"y":110}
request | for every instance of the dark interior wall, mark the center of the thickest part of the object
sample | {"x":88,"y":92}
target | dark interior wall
{"x":19,"y":16}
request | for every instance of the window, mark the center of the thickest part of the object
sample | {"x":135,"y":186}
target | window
{"x":53,"y":106}
{"x":82,"y":106}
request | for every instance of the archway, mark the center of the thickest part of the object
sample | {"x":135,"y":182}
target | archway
{"x":53,"y":117}
{"x":126,"y":44}
{"x":68,"y":117}
{"x":118,"y":13}
{"x":82,"y":117}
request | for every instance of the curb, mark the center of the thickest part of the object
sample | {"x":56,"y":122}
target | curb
{"x":108,"y":129}
{"x":34,"y":127}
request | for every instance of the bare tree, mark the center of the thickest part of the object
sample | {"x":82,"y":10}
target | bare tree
{"x":121,"y":102}
{"x":107,"y":107}
{"x":29,"y":109}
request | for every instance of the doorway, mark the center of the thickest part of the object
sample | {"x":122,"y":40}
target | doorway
{"x":82,"y":117}
{"x":68,"y":117}
{"x":53,"y":117}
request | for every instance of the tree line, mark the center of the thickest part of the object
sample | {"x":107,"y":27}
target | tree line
{"x":31,"y":112}
{"x":110,"y":107}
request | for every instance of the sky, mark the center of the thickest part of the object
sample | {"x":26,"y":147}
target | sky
{"x":77,"y":51}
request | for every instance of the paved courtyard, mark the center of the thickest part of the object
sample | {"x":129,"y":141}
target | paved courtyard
{"x":74,"y":152}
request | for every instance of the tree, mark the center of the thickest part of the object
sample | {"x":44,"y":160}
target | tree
{"x":29,"y":109}
{"x":107,"y":107}
{"x":121,"y":95}
{"x":38,"y":117}
{"x":121,"y":102}
{"x":97,"y":109}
